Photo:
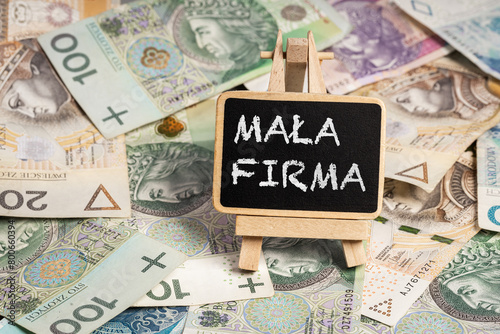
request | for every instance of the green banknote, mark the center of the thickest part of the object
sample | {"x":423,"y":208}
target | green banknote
{"x":143,"y":61}
{"x":170,"y":171}
{"x":462,"y":299}
{"x":76,"y":282}
{"x":315,"y":293}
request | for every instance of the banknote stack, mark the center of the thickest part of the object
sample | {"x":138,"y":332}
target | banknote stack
{"x":107,"y":127}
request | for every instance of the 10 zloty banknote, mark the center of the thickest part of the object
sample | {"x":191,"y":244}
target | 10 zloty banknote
{"x":170,"y":171}
{"x":53,"y":161}
{"x":144,"y":61}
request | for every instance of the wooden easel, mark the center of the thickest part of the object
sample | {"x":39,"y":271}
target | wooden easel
{"x":300,"y":54}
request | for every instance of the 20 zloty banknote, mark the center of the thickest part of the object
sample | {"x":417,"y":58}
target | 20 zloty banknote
{"x":53,"y":161}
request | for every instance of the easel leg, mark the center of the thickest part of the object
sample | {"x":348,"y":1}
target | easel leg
{"x":250,"y":253}
{"x":354,"y":252}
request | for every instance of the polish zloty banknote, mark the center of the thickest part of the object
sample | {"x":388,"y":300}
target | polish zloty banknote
{"x":462,"y":299}
{"x":471,"y":27}
{"x":210,"y":279}
{"x":415,"y":237}
{"x":315,"y":293}
{"x":53,"y":161}
{"x":170,"y":172}
{"x":22,"y":19}
{"x":86,"y":268}
{"x":488,"y":179}
{"x":144,"y":61}
{"x":434,"y":113}
{"x":383,"y":43}
{"x":137,"y":320}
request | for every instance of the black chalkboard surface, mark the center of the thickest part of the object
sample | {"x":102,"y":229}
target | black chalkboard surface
{"x":299,"y":155}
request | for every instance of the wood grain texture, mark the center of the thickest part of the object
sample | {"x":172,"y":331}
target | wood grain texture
{"x":302,"y":228}
{"x":250,"y":253}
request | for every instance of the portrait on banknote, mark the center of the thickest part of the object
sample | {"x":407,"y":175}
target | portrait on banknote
{"x":312,"y":264}
{"x":452,"y":201}
{"x":30,"y":236}
{"x":169,"y":179}
{"x":445,"y":95}
{"x":375,"y":43}
{"x":30,"y":92}
{"x":225,"y":37}
{"x":468,"y":287}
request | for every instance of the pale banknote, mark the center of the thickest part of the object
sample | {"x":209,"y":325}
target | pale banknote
{"x":53,"y":161}
{"x":316,"y":293}
{"x":471,"y":27}
{"x":383,"y":43}
{"x":83,"y":279}
{"x":415,"y":237}
{"x":434,"y":113}
{"x":170,"y":172}
{"x":462,"y":299}
{"x":143,"y":61}
{"x":22,"y":19}
{"x":488,"y":179}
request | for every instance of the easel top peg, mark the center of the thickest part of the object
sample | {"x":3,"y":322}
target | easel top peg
{"x":321,"y":55}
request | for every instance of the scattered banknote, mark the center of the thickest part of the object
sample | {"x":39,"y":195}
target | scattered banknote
{"x":488,"y":179}
{"x":471,"y":27}
{"x":462,"y":299}
{"x":434,"y":113}
{"x":23,"y":19}
{"x":143,"y":61}
{"x":138,"y":320}
{"x":383,"y":43}
{"x":181,"y":147}
{"x":323,"y":297}
{"x":211,"y":279}
{"x":85,"y":267}
{"x":53,"y":161}
{"x":415,"y":237}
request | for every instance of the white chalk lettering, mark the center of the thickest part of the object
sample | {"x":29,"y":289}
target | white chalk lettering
{"x":328,"y":125}
{"x":241,"y":173}
{"x":293,"y":177}
{"x":318,"y":177}
{"x":349,"y":177}
{"x":246,"y":134}
{"x":269,"y":182}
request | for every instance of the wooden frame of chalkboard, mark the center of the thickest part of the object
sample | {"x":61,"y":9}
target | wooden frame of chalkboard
{"x":288,"y":154}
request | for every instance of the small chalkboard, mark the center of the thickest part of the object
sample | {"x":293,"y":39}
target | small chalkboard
{"x":299,"y":155}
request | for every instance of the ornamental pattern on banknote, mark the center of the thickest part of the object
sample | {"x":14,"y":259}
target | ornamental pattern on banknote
{"x":467,"y":288}
{"x":187,"y":235}
{"x":428,"y":323}
{"x":169,"y":179}
{"x":171,"y":81}
{"x":62,"y":263}
{"x":293,"y":14}
{"x":55,"y":269}
{"x":281,"y":313}
{"x":151,"y":319}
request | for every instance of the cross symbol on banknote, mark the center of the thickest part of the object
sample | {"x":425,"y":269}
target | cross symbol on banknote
{"x":250,"y":285}
{"x":153,"y":262}
{"x":115,"y":115}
